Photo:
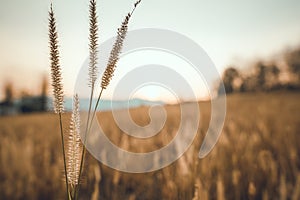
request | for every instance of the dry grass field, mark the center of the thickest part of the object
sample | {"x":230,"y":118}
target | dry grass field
{"x":257,"y":156}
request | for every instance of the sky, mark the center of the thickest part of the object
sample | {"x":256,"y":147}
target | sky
{"x":229,"y":31}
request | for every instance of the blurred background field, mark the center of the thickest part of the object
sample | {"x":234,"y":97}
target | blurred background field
{"x":257,"y":156}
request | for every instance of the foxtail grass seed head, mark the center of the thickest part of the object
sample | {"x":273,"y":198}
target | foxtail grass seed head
{"x":74,"y":145}
{"x":58,"y":102}
{"x":93,"y":37}
{"x":116,"y":50}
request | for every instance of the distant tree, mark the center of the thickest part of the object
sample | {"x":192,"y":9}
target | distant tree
{"x":44,"y":92}
{"x":273,"y":72}
{"x":292,"y":59}
{"x":249,"y":84}
{"x":229,"y":76}
{"x":8,"y":91}
{"x":260,"y":75}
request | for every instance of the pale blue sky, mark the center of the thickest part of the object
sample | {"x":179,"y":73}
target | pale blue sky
{"x":225,"y":29}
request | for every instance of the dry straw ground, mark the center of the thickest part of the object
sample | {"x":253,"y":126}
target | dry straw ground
{"x":257,"y":156}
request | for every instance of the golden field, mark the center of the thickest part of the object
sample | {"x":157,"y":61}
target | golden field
{"x":257,"y":156}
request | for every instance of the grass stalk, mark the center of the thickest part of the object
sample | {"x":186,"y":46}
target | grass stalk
{"x":93,"y":38}
{"x":107,"y":76}
{"x":74,"y":148}
{"x":57,"y":84}
{"x":88,"y":127}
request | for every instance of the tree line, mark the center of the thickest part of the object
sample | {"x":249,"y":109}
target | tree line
{"x":265,"y":76}
{"x":24,"y":102}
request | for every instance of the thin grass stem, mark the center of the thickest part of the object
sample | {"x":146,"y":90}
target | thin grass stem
{"x":64,"y":154}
